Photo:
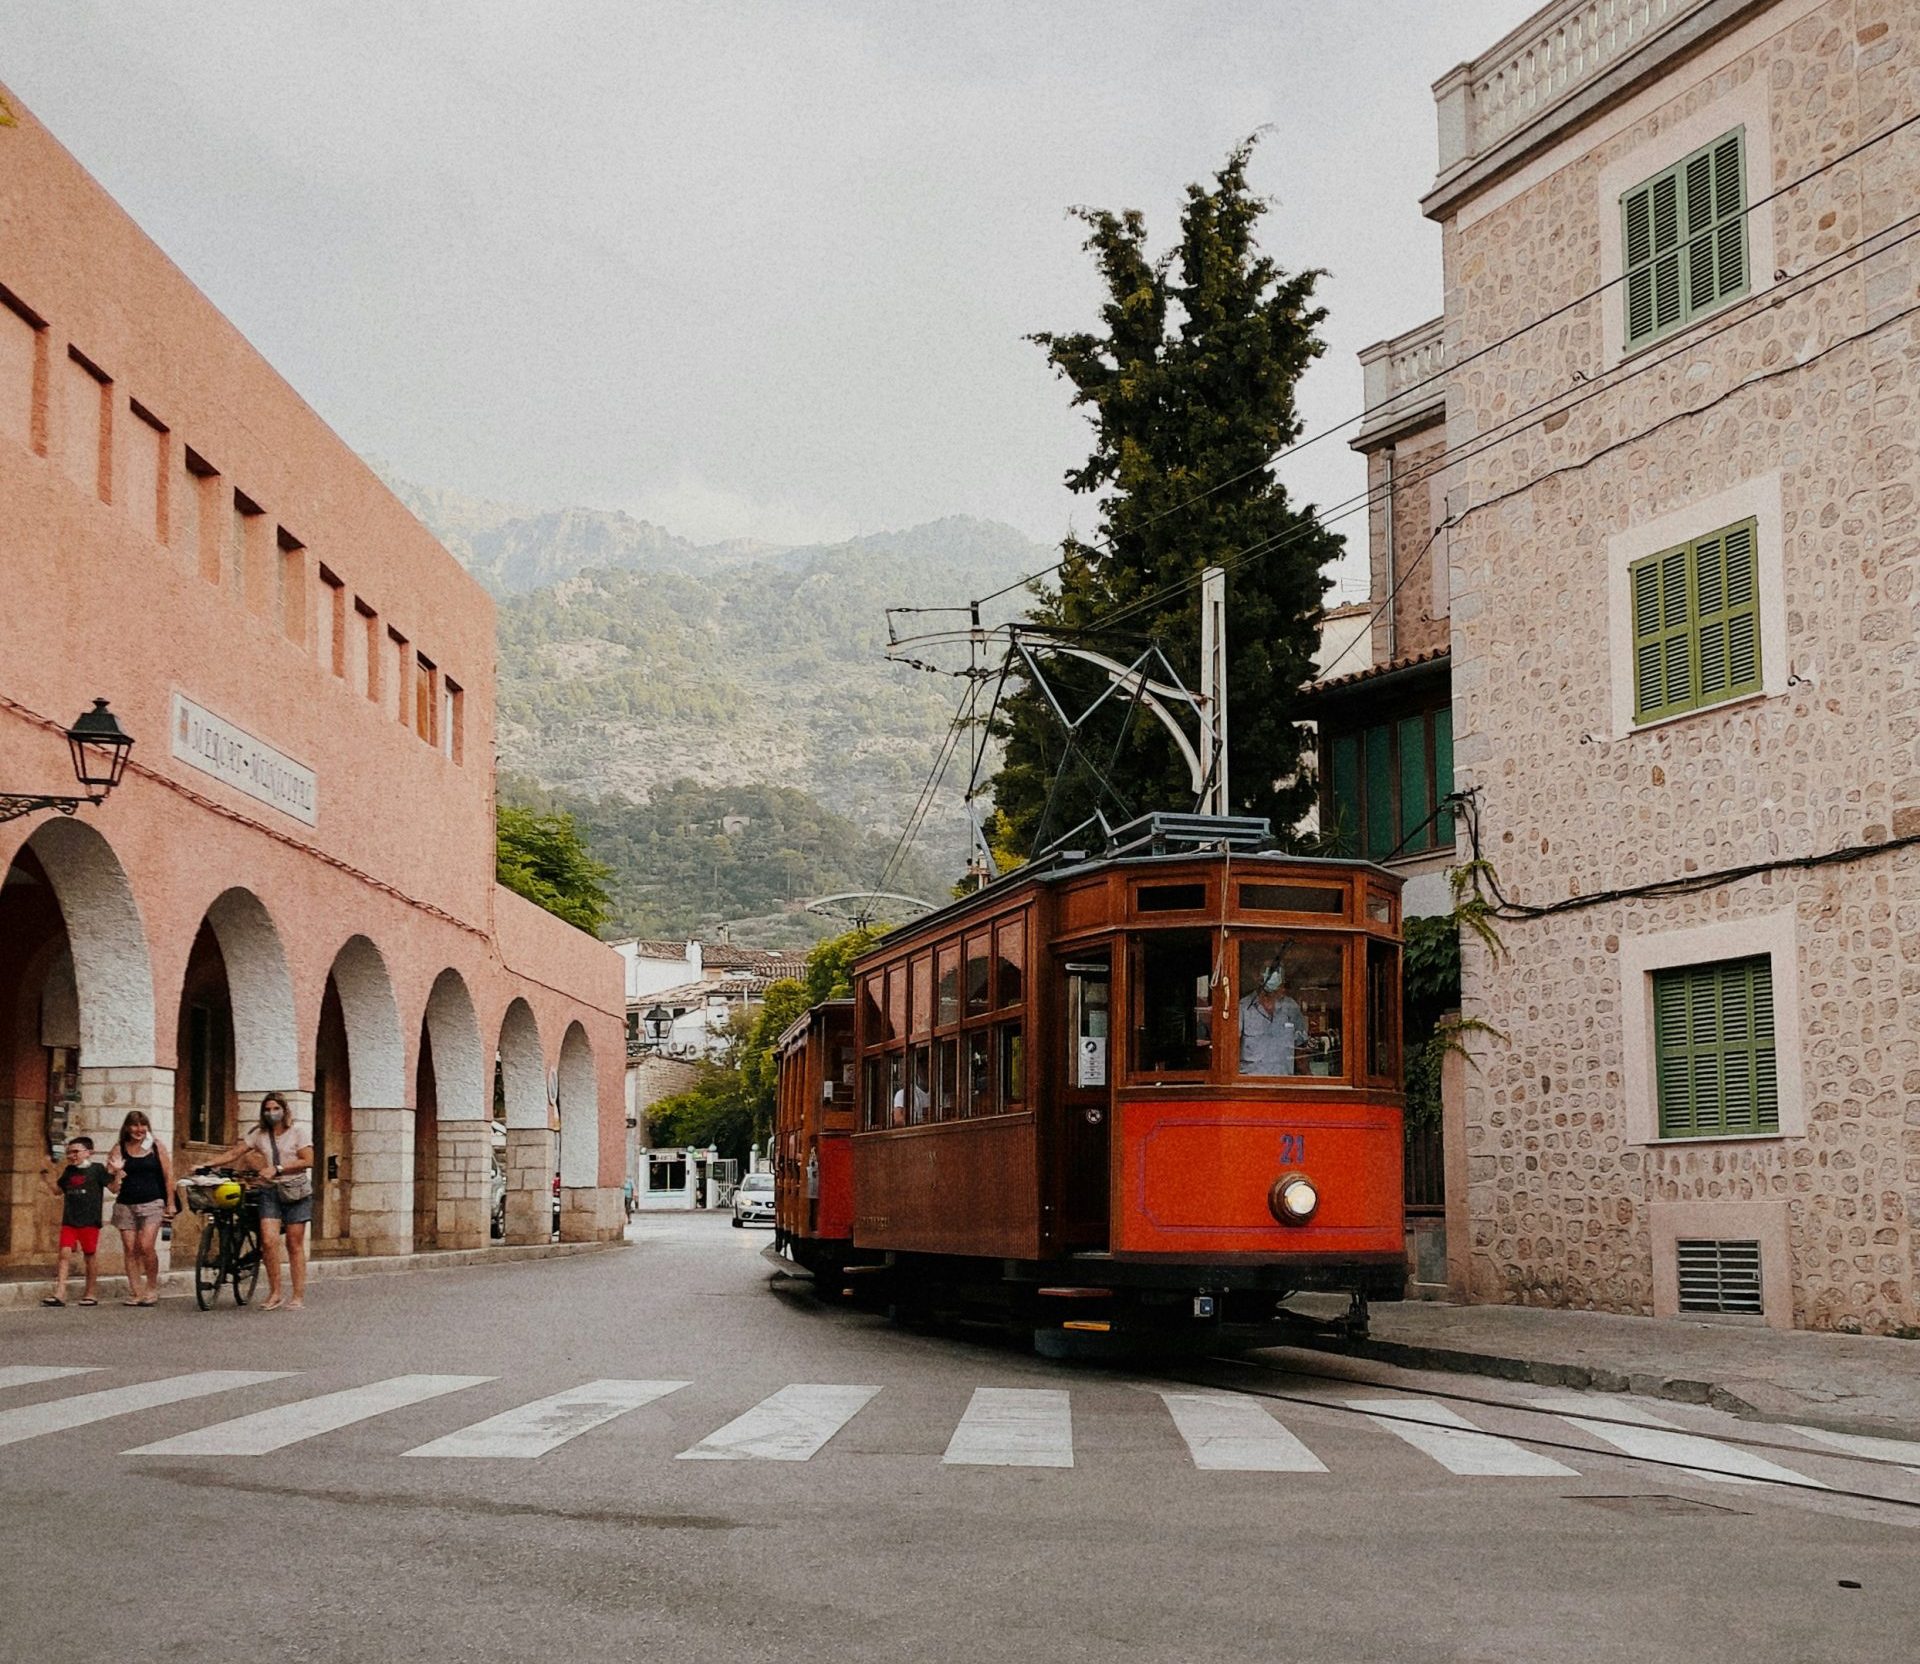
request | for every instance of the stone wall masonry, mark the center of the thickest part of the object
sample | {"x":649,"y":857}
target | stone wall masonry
{"x":530,"y":1170}
{"x":380,"y":1202}
{"x":1823,"y":387}
{"x":592,"y":1213}
{"x":464,"y":1191}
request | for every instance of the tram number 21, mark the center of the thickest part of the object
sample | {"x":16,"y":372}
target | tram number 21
{"x":1293,"y":1147}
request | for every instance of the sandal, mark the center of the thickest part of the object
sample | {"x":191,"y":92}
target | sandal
{"x":151,"y":1302}
{"x":52,"y":1300}
{"x":88,"y":1301}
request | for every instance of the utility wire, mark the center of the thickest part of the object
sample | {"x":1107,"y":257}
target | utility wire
{"x":1441,"y":374}
{"x":1510,"y":428}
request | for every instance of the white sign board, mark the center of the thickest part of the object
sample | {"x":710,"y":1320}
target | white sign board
{"x":235,"y":758}
{"x":1093,"y":1061}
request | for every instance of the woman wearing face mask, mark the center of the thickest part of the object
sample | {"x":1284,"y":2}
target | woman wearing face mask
{"x":142,"y":1172}
{"x":279,"y":1150}
{"x":1272,"y":1025}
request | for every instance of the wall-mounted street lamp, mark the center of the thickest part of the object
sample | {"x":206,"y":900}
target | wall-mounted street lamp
{"x":658,"y":1024}
{"x":99,"y":746}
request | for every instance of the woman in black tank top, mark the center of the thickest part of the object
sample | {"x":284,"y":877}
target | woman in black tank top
{"x":140,"y":1162}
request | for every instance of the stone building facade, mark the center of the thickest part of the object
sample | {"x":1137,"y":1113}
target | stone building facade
{"x":293,"y":887}
{"x":1716,"y":462}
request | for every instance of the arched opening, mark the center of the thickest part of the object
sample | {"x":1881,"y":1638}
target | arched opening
{"x":528,"y":1141}
{"x":579,"y":1155}
{"x":376,"y":1183}
{"x":332,"y":1229}
{"x":452,"y":1135}
{"x":76,"y":1025}
{"x":236,"y":1038}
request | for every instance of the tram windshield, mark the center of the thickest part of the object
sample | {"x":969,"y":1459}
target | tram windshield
{"x":1290,"y":1006}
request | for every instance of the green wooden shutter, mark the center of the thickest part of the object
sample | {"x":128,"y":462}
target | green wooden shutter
{"x":1380,"y":835}
{"x":1443,"y":773}
{"x":1696,"y":623}
{"x":1728,"y":603}
{"x":1714,"y":1064}
{"x":1346,"y":794}
{"x":1663,"y":634}
{"x":1684,"y":239}
{"x":1416,"y":800}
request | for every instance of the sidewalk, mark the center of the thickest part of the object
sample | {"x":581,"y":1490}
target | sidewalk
{"x":1848,"y":1383}
{"x":28,"y":1291}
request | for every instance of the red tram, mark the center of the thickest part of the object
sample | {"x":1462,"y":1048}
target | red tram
{"x":1151,"y":1091}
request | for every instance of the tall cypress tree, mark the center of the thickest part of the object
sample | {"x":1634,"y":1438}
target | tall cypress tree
{"x":1189,"y":385}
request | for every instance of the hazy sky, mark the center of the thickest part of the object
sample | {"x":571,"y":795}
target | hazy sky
{"x":742,"y":267}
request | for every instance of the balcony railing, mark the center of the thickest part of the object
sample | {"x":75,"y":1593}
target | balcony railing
{"x":1553,"y":54}
{"x":1402,"y":377}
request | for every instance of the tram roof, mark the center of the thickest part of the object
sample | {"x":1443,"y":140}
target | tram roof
{"x":1067,"y":865}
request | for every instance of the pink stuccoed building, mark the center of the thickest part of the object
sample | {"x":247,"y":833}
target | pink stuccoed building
{"x":293,"y":888}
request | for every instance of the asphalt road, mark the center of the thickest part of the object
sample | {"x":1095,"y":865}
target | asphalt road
{"x":1258,"y":1515}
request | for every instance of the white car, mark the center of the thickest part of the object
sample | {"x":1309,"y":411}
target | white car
{"x":753,"y":1200}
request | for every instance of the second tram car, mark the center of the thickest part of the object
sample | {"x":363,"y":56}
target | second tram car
{"x":1150,"y":1091}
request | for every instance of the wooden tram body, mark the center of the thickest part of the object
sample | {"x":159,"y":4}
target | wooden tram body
{"x":1081,"y":1088}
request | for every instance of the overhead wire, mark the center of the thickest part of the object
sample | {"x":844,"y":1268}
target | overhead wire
{"x":1294,"y":448}
{"x":1564,"y":399}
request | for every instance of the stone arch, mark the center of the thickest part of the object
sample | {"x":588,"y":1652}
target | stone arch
{"x":112,"y":968}
{"x":376,"y":1055}
{"x":459,"y":1065}
{"x":523,"y":1067}
{"x":579,"y":1112}
{"x":266,"y":1044}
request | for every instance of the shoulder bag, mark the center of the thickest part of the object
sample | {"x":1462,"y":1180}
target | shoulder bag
{"x":289,"y":1187}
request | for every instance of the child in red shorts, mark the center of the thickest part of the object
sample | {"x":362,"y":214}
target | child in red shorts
{"x":80,"y":1185}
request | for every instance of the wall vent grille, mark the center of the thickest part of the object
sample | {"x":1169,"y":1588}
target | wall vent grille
{"x":1720,"y":1276}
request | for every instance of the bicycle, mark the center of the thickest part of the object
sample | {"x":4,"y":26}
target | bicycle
{"x":229,"y":1241}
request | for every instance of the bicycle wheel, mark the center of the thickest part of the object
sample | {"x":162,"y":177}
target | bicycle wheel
{"x":209,"y":1265}
{"x":246,"y":1260}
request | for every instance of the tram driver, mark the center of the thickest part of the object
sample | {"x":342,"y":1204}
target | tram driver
{"x":1272,"y":1025}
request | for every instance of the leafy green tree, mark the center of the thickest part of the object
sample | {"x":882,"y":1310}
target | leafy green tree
{"x":1189,"y":386}
{"x":542,"y":857}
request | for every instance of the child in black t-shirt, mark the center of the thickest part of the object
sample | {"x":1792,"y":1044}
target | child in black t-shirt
{"x":80,"y":1185}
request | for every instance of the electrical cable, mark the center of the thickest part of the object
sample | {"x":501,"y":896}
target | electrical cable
{"x":1585,"y":388}
{"x":1448,"y":370}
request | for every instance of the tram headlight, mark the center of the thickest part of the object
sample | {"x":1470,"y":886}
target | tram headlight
{"x":1293,"y":1198}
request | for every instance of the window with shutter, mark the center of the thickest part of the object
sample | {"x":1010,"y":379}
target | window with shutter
{"x":1714,"y":1064}
{"x":1696,"y":623}
{"x":1684,"y":237}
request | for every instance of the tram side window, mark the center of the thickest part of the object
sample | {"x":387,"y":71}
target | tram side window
{"x":897,"y":1089}
{"x":1383,"y":1011}
{"x":920,"y":1103}
{"x":980,"y":1073}
{"x":873,"y":1110}
{"x":1290,"y":1006}
{"x":1010,"y":954}
{"x":1173,"y":1003}
{"x":946,"y":1079}
{"x":1013,"y":1066}
{"x":976,"y":975}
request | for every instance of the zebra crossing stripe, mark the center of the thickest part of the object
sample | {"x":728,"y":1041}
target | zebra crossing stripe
{"x":29,"y":1421}
{"x":266,"y":1431}
{"x":1238,"y":1435}
{"x":1454,"y":1442}
{"x":1872,"y":1445}
{"x":1017,"y":1427}
{"x":787,"y":1426}
{"x":547,"y":1423}
{"x":1639,"y":1432}
{"x":28,"y":1375}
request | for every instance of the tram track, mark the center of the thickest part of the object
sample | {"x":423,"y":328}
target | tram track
{"x":1383,"y":1412}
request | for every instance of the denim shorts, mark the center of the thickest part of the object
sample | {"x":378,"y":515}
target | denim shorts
{"x":288,"y":1213}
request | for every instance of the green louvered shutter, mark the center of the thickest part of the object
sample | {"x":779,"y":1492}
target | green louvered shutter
{"x":1696,"y":623}
{"x":1443,"y":773}
{"x":1684,"y":238}
{"x":1416,"y":804}
{"x":1663,"y":634}
{"x":1728,"y":605}
{"x":1715,"y":1069}
{"x":1346,"y":793}
{"x":1380,"y":833}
